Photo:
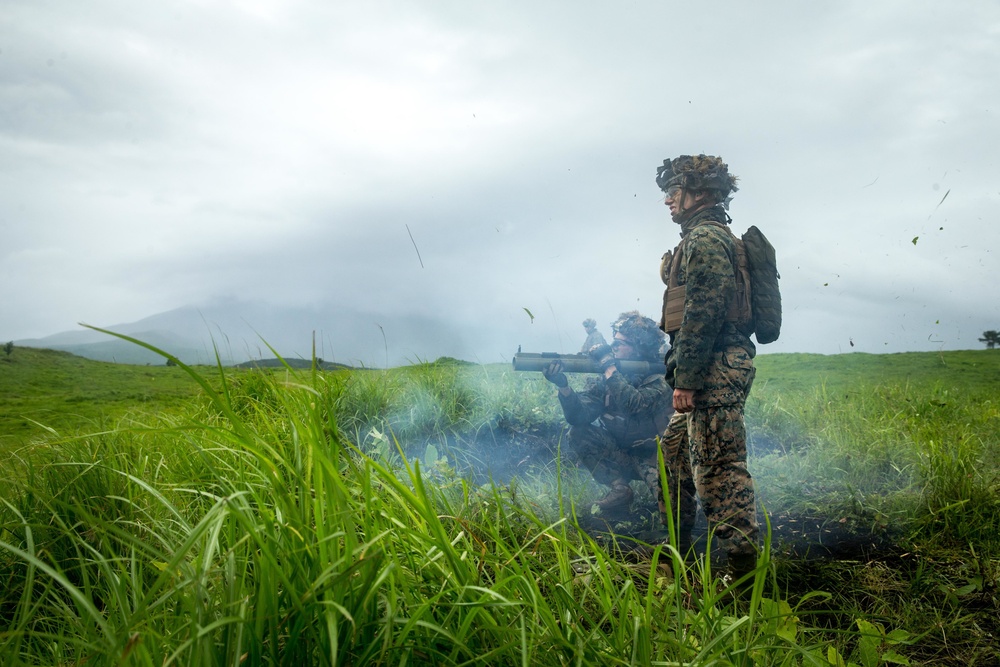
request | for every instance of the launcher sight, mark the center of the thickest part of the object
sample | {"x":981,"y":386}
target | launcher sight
{"x":581,"y":363}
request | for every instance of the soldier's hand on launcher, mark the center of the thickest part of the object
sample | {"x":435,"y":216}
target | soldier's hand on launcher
{"x":555,"y":375}
{"x":603,"y":355}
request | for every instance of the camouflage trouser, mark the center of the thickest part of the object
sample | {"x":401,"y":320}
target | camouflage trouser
{"x":716,"y":436}
{"x":719,"y":464}
{"x":608,"y":460}
{"x":677,"y":462}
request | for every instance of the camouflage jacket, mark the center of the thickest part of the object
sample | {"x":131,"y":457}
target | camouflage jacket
{"x":706,"y":255}
{"x":596,"y":338}
{"x":632,"y":409}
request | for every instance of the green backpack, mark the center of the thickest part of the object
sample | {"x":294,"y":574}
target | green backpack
{"x":765,"y":296}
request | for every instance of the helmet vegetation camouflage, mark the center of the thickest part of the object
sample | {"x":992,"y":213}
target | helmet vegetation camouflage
{"x":642,"y":332}
{"x":698,"y":172}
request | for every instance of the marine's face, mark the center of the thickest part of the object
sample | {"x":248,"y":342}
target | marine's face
{"x":682,"y":202}
{"x":623,"y":348}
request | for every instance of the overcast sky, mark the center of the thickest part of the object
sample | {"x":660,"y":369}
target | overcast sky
{"x":473,"y":162}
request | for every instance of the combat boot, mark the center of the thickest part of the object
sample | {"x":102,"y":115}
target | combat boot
{"x":618,"y":499}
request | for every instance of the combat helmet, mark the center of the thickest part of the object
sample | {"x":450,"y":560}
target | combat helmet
{"x":641,"y":331}
{"x":698,"y":172}
{"x":589,"y":323}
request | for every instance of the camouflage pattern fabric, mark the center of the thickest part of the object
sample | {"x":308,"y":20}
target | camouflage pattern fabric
{"x":729,"y":379}
{"x":593,"y":338}
{"x":677,"y":462}
{"x":705,"y":453}
{"x":724,"y":484}
{"x":630,"y":414}
{"x":609,"y":460}
{"x":715,"y":359}
{"x":706,"y":258}
{"x":698,"y":172}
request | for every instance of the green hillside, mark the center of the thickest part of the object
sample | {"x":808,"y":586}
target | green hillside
{"x":968,"y":369}
{"x":62,"y":391}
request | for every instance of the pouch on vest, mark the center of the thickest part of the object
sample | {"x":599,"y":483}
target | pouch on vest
{"x":755,"y":305}
{"x":673,"y":297}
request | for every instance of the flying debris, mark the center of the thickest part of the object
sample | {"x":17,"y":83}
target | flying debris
{"x":914,"y":241}
{"x":415,"y":246}
{"x":530,"y":315}
{"x":942,"y":199}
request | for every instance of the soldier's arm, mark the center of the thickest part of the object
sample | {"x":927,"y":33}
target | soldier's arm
{"x":580,"y":408}
{"x":647,"y":396}
{"x":709,"y":278}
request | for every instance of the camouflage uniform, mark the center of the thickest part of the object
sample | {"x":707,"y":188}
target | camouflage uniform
{"x":714,"y":358}
{"x":614,"y":425}
{"x":680,"y":479}
{"x":594,"y":337}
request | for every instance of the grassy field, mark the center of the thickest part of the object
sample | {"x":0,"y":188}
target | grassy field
{"x":59,"y":391}
{"x":163,"y":515}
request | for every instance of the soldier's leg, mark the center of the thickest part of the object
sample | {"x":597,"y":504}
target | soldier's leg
{"x":647,"y":469}
{"x":677,"y":462}
{"x":590,"y":447}
{"x":724,"y":484}
{"x":598,"y":452}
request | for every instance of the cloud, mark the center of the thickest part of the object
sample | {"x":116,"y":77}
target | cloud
{"x":165,"y":155}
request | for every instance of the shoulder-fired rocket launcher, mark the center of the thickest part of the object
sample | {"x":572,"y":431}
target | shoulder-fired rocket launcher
{"x":581,"y":363}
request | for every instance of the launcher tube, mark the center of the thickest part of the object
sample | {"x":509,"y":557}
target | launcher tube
{"x":581,"y":363}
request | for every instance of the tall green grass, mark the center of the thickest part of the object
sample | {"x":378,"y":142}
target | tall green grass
{"x":922,"y":456}
{"x":914,"y":459}
{"x":254,"y":532}
{"x":297,"y":517}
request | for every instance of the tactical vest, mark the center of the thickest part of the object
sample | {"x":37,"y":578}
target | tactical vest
{"x":738,"y":308}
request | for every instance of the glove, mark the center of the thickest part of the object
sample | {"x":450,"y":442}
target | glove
{"x":603,"y":355}
{"x":553,"y":373}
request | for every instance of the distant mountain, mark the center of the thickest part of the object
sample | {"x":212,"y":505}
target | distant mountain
{"x":244,"y":331}
{"x":125,"y":352}
{"x":103,"y":347}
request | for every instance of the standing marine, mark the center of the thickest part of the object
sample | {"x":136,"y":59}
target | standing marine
{"x":616,"y":420}
{"x":710,"y":361}
{"x":594,"y":337}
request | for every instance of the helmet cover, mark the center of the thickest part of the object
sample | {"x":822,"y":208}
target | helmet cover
{"x":643,"y":333}
{"x":698,"y":172}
